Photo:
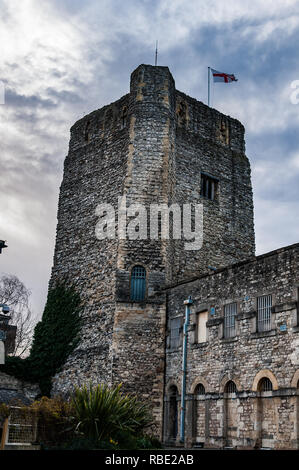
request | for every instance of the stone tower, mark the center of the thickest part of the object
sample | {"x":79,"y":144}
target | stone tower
{"x":154,"y":145}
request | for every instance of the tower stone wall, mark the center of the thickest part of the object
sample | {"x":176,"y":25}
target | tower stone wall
{"x":151,"y":146}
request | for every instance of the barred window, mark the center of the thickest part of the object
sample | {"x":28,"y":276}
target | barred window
{"x":175,"y":332}
{"x":199,"y":390}
{"x":230,"y":387}
{"x":265,"y":385}
{"x":264,"y":308}
{"x":230,"y":312}
{"x":208,"y":187}
{"x":138,"y":283}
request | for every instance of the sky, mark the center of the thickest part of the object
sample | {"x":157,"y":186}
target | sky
{"x":61,"y":59}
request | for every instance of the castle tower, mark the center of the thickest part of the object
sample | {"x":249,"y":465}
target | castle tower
{"x":152,"y":146}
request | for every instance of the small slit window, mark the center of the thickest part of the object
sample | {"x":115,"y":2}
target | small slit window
{"x":124,"y":117}
{"x":138,"y":283}
{"x":87,"y":132}
{"x":208,"y":187}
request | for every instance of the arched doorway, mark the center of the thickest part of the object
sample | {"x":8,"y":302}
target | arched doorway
{"x":231,"y":403}
{"x":297,"y":418}
{"x":173,"y":412}
{"x":266,"y":413}
{"x":199,"y":414}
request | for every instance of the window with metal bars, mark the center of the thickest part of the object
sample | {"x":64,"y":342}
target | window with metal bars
{"x":138,"y":283}
{"x":200,"y":390}
{"x":265,"y":385}
{"x":230,"y":312}
{"x":208,"y":187}
{"x":230,"y":387}
{"x":175,"y":332}
{"x":264,"y":309}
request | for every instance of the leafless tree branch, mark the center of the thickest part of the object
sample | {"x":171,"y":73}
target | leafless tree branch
{"x":16,"y":295}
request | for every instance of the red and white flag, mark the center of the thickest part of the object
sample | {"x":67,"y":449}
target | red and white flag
{"x":223,"y":77}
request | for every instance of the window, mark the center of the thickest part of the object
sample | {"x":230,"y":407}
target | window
{"x":230,"y":387}
{"x":230,"y":312}
{"x":264,"y":308}
{"x":202,"y":319}
{"x":138,"y":283}
{"x":265,"y":385}
{"x":124,"y":117}
{"x":208,"y":187}
{"x":199,"y":390}
{"x":87,"y":132}
{"x":175,"y":332}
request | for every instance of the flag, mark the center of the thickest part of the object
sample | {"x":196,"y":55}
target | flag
{"x":223,"y":77}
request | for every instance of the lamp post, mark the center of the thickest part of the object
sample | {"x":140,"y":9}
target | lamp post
{"x":187,"y":304}
{"x":3,"y":321}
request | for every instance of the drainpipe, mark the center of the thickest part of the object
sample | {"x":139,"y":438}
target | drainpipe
{"x":187,"y":304}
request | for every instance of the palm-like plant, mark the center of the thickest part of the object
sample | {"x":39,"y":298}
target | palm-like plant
{"x":101,"y":412}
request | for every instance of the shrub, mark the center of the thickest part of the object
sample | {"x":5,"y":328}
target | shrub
{"x":54,"y":420}
{"x":102,"y":413}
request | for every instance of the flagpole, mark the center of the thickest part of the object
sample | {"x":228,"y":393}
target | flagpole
{"x":209,"y":74}
{"x":156,"y":54}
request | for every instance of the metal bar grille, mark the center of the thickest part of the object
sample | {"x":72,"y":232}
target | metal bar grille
{"x":230,"y":387}
{"x":208,"y":187}
{"x":266,"y":385}
{"x":21,"y":427}
{"x":264,"y":306}
{"x":200,"y":389}
{"x":138,"y":281}
{"x":175,"y":326}
{"x":230,"y":312}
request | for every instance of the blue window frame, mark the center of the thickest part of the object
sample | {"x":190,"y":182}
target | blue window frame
{"x":138,"y":283}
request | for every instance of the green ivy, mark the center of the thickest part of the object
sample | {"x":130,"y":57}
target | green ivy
{"x":55,"y":337}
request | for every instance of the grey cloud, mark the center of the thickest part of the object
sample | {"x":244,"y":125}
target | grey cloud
{"x":12,"y":98}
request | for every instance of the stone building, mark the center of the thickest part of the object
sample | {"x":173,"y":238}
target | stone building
{"x":158,"y":148}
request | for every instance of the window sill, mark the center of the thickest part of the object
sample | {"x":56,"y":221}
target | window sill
{"x":199,"y":345}
{"x":229,"y":340}
{"x":134,"y":303}
{"x":263,"y":334}
{"x":174,"y":350}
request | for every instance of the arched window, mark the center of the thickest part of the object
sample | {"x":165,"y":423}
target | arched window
{"x":230,"y":387}
{"x":265,"y":385}
{"x":199,"y":390}
{"x":138,"y":283}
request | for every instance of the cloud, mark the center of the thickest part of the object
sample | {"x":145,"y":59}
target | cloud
{"x":64,"y":58}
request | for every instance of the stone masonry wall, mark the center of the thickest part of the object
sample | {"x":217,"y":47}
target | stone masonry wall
{"x":249,"y":418}
{"x":151,"y":147}
{"x":97,"y":157}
